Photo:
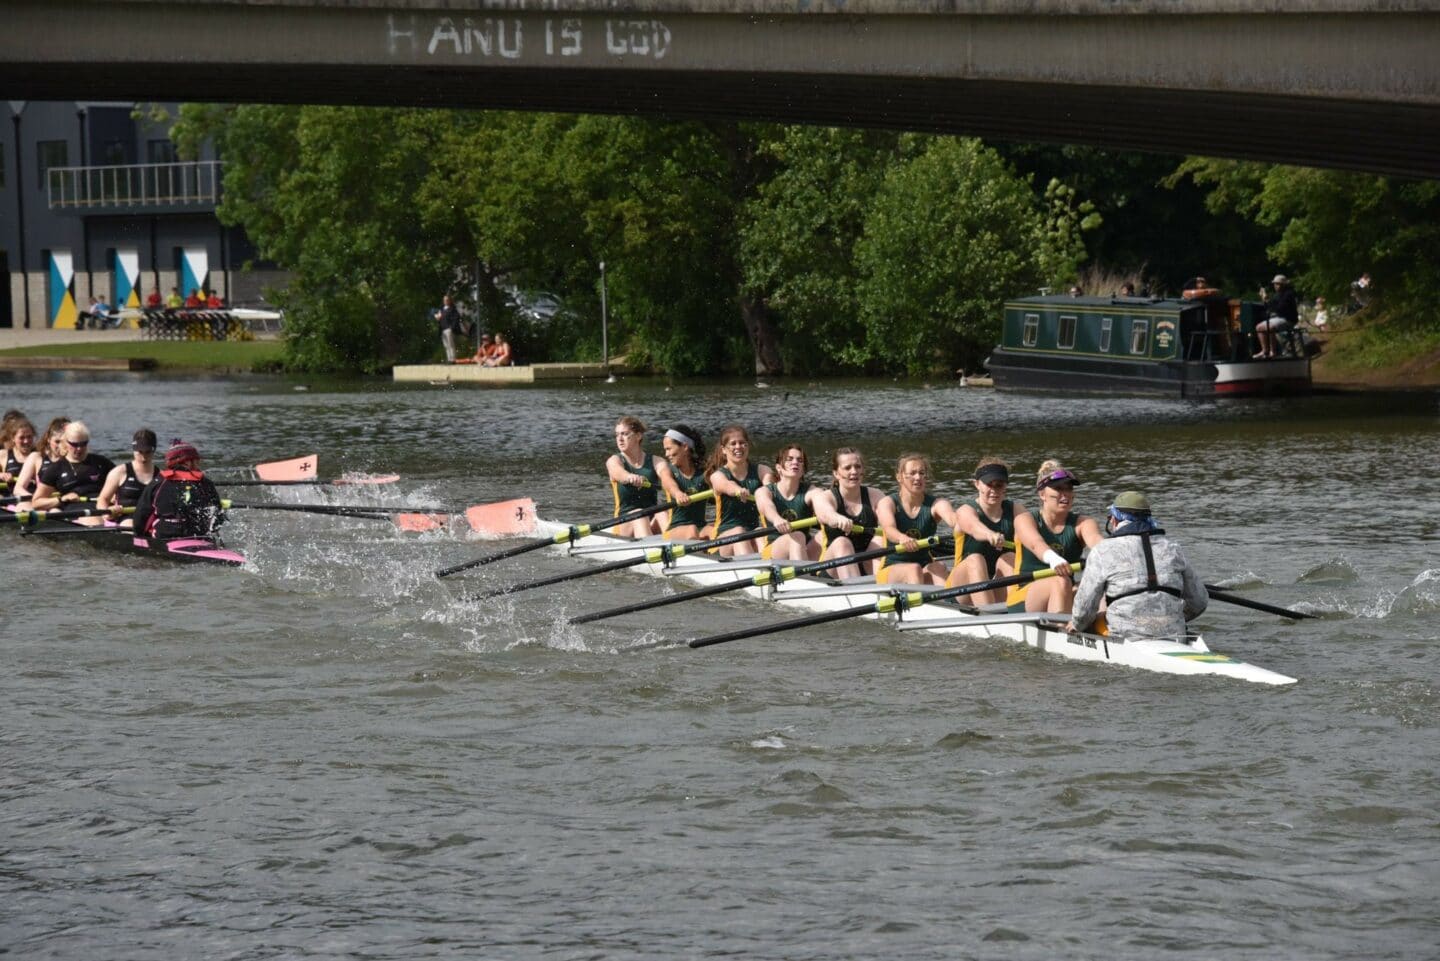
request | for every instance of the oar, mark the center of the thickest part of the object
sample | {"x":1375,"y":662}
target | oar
{"x":772,"y":575}
{"x":335,"y":510}
{"x":1220,"y":594}
{"x":567,"y":535}
{"x":516,"y":516}
{"x":897,"y":602}
{"x":23,"y":518}
{"x":658,"y":555}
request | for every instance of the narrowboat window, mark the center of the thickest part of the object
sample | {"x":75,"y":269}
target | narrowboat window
{"x":1106,"y":323}
{"x":1065,"y":340}
{"x":1032,"y":330}
{"x":1139,"y":336}
{"x":50,"y":153}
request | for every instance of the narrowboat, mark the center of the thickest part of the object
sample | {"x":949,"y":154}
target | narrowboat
{"x":1197,"y":346}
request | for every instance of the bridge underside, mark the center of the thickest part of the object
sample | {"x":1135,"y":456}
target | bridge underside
{"x":1394,"y":138}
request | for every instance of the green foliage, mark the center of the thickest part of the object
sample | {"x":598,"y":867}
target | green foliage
{"x":1334,"y":225}
{"x":952,"y":232}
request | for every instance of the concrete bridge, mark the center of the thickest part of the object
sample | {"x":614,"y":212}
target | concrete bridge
{"x":1335,"y":83}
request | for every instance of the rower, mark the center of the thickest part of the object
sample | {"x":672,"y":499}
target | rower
{"x":635,"y":478}
{"x":127,"y":481}
{"x":1150,"y":589}
{"x":787,"y":499}
{"x":78,"y":476}
{"x":17,"y":436}
{"x":50,"y":448}
{"x":985,"y":533}
{"x":181,"y":501}
{"x":1053,"y":536}
{"x":846,"y":504}
{"x":909,"y":515}
{"x":735,"y":480}
{"x":685,"y":452}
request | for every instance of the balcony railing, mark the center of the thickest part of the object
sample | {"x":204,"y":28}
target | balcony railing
{"x":193,"y":184}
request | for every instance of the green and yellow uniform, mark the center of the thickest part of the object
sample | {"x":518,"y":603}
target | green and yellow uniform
{"x":917,"y":526}
{"x":734,"y":512}
{"x":865,"y":517}
{"x":1066,"y":543}
{"x":629,"y":498}
{"x":791,"y":508}
{"x":691,"y":513}
{"x":966,"y":546}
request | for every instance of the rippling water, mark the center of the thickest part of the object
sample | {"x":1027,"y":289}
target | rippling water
{"x":324,"y":754}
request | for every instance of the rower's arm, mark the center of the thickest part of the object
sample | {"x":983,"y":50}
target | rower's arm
{"x":617,"y":473}
{"x":673,"y":493}
{"x":113,"y":480}
{"x":723,"y":485}
{"x":768,"y":513}
{"x":25,"y":483}
{"x":893,"y":535}
{"x":46,"y":497}
{"x":1027,"y":534}
{"x":823,"y":503}
{"x":944,"y":512}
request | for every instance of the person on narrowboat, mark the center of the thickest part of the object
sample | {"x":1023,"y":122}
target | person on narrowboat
{"x":181,"y":501}
{"x":1149,"y":588}
{"x":985,"y":533}
{"x":1052,"y":536}
{"x":1284,"y":316}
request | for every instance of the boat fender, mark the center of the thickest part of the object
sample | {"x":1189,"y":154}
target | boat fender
{"x":1199,"y":293}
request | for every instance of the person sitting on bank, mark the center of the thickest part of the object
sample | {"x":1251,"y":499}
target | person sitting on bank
{"x":174,"y":301}
{"x":98,"y":313}
{"x":1149,"y":588}
{"x":485,"y":349}
{"x":1284,"y":316}
{"x":504,"y":355}
{"x":181,"y":501}
{"x":154,"y":301}
{"x":194,"y":301}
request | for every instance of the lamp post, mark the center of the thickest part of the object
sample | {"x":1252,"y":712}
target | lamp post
{"x":17,"y":107}
{"x":604,"y":323}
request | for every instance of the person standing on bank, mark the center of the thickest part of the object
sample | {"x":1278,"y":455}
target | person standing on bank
{"x":1149,"y":587}
{"x":448,"y":317}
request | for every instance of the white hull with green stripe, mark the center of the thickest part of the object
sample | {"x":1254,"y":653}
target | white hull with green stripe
{"x":1191,"y":657}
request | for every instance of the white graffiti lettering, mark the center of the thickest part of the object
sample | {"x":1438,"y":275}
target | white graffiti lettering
{"x":640,"y":38}
{"x":488,"y":37}
{"x":395,"y":34}
{"x":570,"y":38}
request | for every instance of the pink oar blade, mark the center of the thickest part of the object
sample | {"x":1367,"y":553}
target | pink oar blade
{"x":420,"y":522}
{"x":296,"y":469}
{"x":505,"y":517}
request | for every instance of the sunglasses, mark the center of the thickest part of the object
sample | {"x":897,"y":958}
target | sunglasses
{"x":78,"y":443}
{"x":1056,"y":477}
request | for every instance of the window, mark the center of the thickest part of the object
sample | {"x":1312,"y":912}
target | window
{"x":1065,"y":339}
{"x":50,"y":153}
{"x":113,"y":153}
{"x":1032,"y":330}
{"x":1106,"y":324}
{"x":1140,"y":337}
{"x":161,"y":152}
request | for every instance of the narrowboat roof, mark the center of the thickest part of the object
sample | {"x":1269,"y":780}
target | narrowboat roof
{"x":1058,"y":301}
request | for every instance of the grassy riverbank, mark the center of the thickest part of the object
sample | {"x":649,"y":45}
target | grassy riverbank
{"x":1374,"y":355}
{"x":253,"y":356}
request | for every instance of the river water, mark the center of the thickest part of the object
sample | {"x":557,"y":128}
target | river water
{"x":325,"y":755}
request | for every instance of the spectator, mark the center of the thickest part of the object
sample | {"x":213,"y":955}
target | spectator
{"x":484,"y":350}
{"x":448,"y":318}
{"x":194,"y":301}
{"x":154,"y":300}
{"x":504,"y":356}
{"x":214,"y":302}
{"x":1127,"y":289}
{"x":174,"y":301}
{"x":1360,"y":292}
{"x":1321,"y":317}
{"x":98,"y":314}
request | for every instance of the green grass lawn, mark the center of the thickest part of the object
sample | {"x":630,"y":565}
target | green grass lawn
{"x":248,"y":355}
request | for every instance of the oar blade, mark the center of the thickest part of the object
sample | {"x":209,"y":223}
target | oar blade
{"x":420,"y":523}
{"x":297,"y":468}
{"x":503,"y":518}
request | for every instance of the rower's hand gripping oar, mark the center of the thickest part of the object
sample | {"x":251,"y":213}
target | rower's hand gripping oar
{"x":567,"y":535}
{"x":773,"y":575}
{"x":665,"y":554}
{"x":897,"y":603}
{"x":1221,"y":594}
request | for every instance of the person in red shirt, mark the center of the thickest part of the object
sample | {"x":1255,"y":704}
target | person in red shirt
{"x":154,"y":299}
{"x":194,"y":300}
{"x":214,"y":302}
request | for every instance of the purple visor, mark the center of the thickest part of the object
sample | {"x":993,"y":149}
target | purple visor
{"x":1056,"y":478}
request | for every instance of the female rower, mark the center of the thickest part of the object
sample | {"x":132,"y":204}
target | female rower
{"x":985,"y":533}
{"x":123,"y":486}
{"x":848,"y":502}
{"x":18,"y":438}
{"x":635,"y":478}
{"x":50,"y":448}
{"x":910,"y":515}
{"x":78,"y":476}
{"x":1052,"y":536}
{"x":789,"y":498}
{"x":735,"y":480}
{"x":685,"y":452}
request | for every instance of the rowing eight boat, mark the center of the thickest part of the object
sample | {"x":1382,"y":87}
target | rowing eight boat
{"x":1189,"y":657}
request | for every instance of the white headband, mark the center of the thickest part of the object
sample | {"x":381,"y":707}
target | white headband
{"x":680,"y":438}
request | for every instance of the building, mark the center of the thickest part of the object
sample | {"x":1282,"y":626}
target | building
{"x":94,"y":201}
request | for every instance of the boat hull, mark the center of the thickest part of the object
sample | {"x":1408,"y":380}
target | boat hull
{"x":1021,"y":370}
{"x":1191,"y":657}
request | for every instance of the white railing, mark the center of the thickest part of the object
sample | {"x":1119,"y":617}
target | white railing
{"x":195,"y":183}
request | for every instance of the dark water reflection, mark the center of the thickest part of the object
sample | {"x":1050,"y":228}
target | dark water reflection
{"x":325,"y":755}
